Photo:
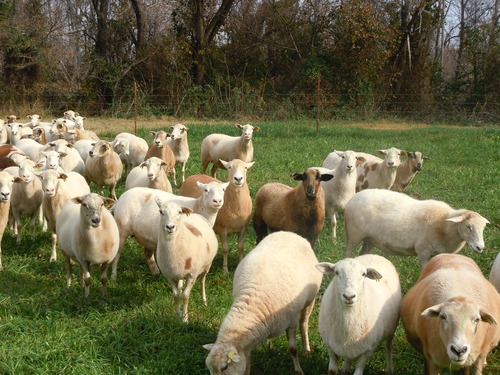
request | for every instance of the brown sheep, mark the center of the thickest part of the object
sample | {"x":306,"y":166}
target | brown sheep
{"x":300,"y":210}
{"x":162,"y":150}
{"x":103,"y":167}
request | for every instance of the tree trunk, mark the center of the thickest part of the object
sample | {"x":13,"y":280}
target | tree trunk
{"x":140,"y":18}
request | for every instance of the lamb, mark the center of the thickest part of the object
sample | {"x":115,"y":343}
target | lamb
{"x":376,"y":173}
{"x":280,"y":280}
{"x":408,"y":169}
{"x":88,"y":234}
{"x":3,"y":132}
{"x":178,"y":142}
{"x":300,"y":210}
{"x":137,"y":215}
{"x":495,"y":273}
{"x":359,"y":309}
{"x":400,"y":225}
{"x":162,"y":150}
{"x":104,"y":167}
{"x":153,"y":176}
{"x":236,"y":212}
{"x":131,"y":148}
{"x":216,"y":147}
{"x":186,"y":248}
{"x":58,"y":188}
{"x":450,"y":315}
{"x":6,"y":181}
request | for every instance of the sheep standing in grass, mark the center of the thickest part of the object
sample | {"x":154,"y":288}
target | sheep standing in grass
{"x":217,"y":147}
{"x":160,"y":148}
{"x":359,"y":309}
{"x":274,"y":290}
{"x":300,"y":210}
{"x":408,"y":169}
{"x":451,"y":315}
{"x":495,"y":273}
{"x":131,"y":148}
{"x":87,"y":234}
{"x":6,"y":181}
{"x":236,"y":212}
{"x":149,"y":174}
{"x":375,"y":173}
{"x":400,"y":225}
{"x":104,"y":167}
{"x":186,"y":248}
{"x":178,"y":142}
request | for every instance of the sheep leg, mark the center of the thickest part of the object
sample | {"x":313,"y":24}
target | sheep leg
{"x":241,"y":243}
{"x":333,"y":363}
{"x":112,"y":192}
{"x":304,"y":326}
{"x":174,"y":176}
{"x":366,"y":248}
{"x":33,"y":224}
{"x":225,"y":250}
{"x":114,"y":268}
{"x":53,"y":254}
{"x":214,"y":170}
{"x":183,"y":171}
{"x":259,"y":226}
{"x":104,"y":278}
{"x":333,"y":220}
{"x":150,"y":258}
{"x":175,"y":292}
{"x":18,"y":226}
{"x":185,"y":296}
{"x":361,"y":362}
{"x":42,"y":220}
{"x":345,"y":367}
{"x":84,"y":268}
{"x":388,"y":347}
{"x":204,"y":166}
{"x":68,"y":272}
{"x":292,"y":349}
{"x":203,"y":277}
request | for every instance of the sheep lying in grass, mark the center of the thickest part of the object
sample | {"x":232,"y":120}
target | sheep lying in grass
{"x":236,"y":212}
{"x":87,"y":234}
{"x":400,"y":225}
{"x":408,"y":169}
{"x":186,"y":248}
{"x":300,"y":210}
{"x":104,"y":167}
{"x":149,"y":174}
{"x":6,"y":181}
{"x":274,"y":289}
{"x":217,"y":147}
{"x":451,"y":315}
{"x":178,"y":142}
{"x":359,"y":309}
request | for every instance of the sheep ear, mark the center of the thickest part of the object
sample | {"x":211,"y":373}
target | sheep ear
{"x":142,"y":165}
{"x":18,"y":180}
{"x":62,"y":154}
{"x":201,"y":185}
{"x":432,"y":312}
{"x":233,"y":357}
{"x":163,"y":163}
{"x":256,"y":128}
{"x":487,"y":318}
{"x":298,"y":176}
{"x":108,"y":201}
{"x":171,"y":128}
{"x":153,"y":133}
{"x":326,"y":268}
{"x":158,"y":202}
{"x":250,"y":165}
{"x":404,"y":153}
{"x":373,"y":274}
{"x":187,"y":211}
{"x":426,"y":157}
{"x":457,"y":219}
{"x":225,"y":185}
{"x":239,"y":126}
{"x":382,"y":152}
{"x":360,"y":160}
{"x":226,"y":164}
{"x":208,"y":346}
{"x":63,"y":176}
{"x":77,"y":200}
{"x":326,"y":177}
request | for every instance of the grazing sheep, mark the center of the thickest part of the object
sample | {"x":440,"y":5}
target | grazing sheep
{"x":495,"y":273}
{"x":375,"y":173}
{"x":400,"y":225}
{"x":217,"y":147}
{"x":186,"y":248}
{"x":6,"y":181}
{"x":450,"y":315}
{"x":58,"y":188}
{"x":408,"y":169}
{"x":88,"y":235}
{"x":274,"y":290}
{"x":300,"y":210}
{"x":359,"y":309}
{"x":178,"y":142}
{"x":103,"y":167}
{"x":162,"y":150}
{"x":236,"y":212}
{"x":154,"y":176}
{"x":137,"y":215}
{"x":131,"y":148}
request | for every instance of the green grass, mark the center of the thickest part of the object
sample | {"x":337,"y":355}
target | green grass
{"x":47,"y":329}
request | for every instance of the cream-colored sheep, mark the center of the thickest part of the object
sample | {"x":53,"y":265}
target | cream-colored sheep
{"x":6,"y":181}
{"x":70,"y":159}
{"x":131,"y":148}
{"x":495,"y":273}
{"x":375,"y":173}
{"x":178,"y":142}
{"x":104,"y":167}
{"x":160,"y":148}
{"x":149,"y":174}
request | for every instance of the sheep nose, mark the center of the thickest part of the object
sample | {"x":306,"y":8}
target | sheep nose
{"x":49,"y":190}
{"x":91,"y":153}
{"x":96,"y":220}
{"x":170,"y":227}
{"x":391,"y":163}
{"x":218,"y":201}
{"x":6,"y":194}
{"x":349,"y":167}
{"x":458,"y":351}
{"x":238,"y":180}
{"x":349,"y":298}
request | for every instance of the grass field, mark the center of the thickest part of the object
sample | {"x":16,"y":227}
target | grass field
{"x":47,"y":329}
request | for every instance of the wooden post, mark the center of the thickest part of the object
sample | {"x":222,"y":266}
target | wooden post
{"x":135,"y":108}
{"x":318,"y":102}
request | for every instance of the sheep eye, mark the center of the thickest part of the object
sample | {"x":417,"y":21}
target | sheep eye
{"x":469,"y":227}
{"x":443,"y":317}
{"x":364,"y":274}
{"x":476,"y":321}
{"x":336,"y":273}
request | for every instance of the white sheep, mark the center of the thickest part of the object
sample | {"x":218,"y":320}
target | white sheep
{"x":131,"y":148}
{"x":88,"y":235}
{"x":375,"y":173}
{"x":400,"y":225}
{"x":408,"y":169}
{"x":84,"y":146}
{"x":186,"y":248}
{"x":31,"y":148}
{"x":216,"y":147}
{"x":495,"y":273}
{"x":137,"y":215}
{"x":236,"y":212}
{"x":274,"y":290}
{"x":103,"y":167}
{"x":300,"y":209}
{"x":160,"y":148}
{"x":35,"y":120}
{"x":16,"y":131}
{"x":3,"y":132}
{"x":178,"y":142}
{"x":70,"y":159}
{"x":451,"y":315}
{"x":149,"y":174}
{"x":58,"y":188}
{"x":6,"y":181}
{"x":359,"y":309}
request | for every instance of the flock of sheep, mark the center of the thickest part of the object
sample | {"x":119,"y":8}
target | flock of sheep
{"x":450,"y":315}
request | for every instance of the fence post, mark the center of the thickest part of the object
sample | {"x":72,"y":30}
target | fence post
{"x":135,"y":108}
{"x":318,"y":102}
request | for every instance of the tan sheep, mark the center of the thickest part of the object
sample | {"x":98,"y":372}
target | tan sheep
{"x":178,"y":142}
{"x":161,"y":149}
{"x":104,"y":167}
{"x":149,"y":174}
{"x":408,"y":169}
{"x":6,"y":181}
{"x":375,"y":173}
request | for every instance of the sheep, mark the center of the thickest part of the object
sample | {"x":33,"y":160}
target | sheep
{"x":178,"y":142}
{"x":84,"y":146}
{"x":216,"y":147}
{"x":274,"y":290}
{"x":400,"y":225}
{"x":359,"y":309}
{"x":87,"y":234}
{"x":408,"y":169}
{"x":27,"y":197}
{"x":131,"y":148}
{"x":70,"y":115}
{"x":161,"y":149}
{"x":31,"y":148}
{"x":6,"y":181}
{"x":236,"y":212}
{"x":3,"y":132}
{"x":12,"y":152}
{"x":63,"y":130}
{"x":450,"y":315}
{"x":300,"y":210}
{"x":186,"y":248}
{"x":6,"y":162}
{"x":16,"y":131}
{"x":137,"y":215}
{"x":495,"y":273}
{"x":58,"y":188}
{"x":103,"y":167}
{"x":79,"y":122}
{"x":70,"y":157}
{"x":154,"y":176}
{"x":50,"y":159}
{"x":35,"y":122}
{"x":375,"y":173}
{"x":340,"y":189}
{"x":39,"y":135}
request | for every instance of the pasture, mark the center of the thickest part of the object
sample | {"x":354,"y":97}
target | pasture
{"x":47,"y":329}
